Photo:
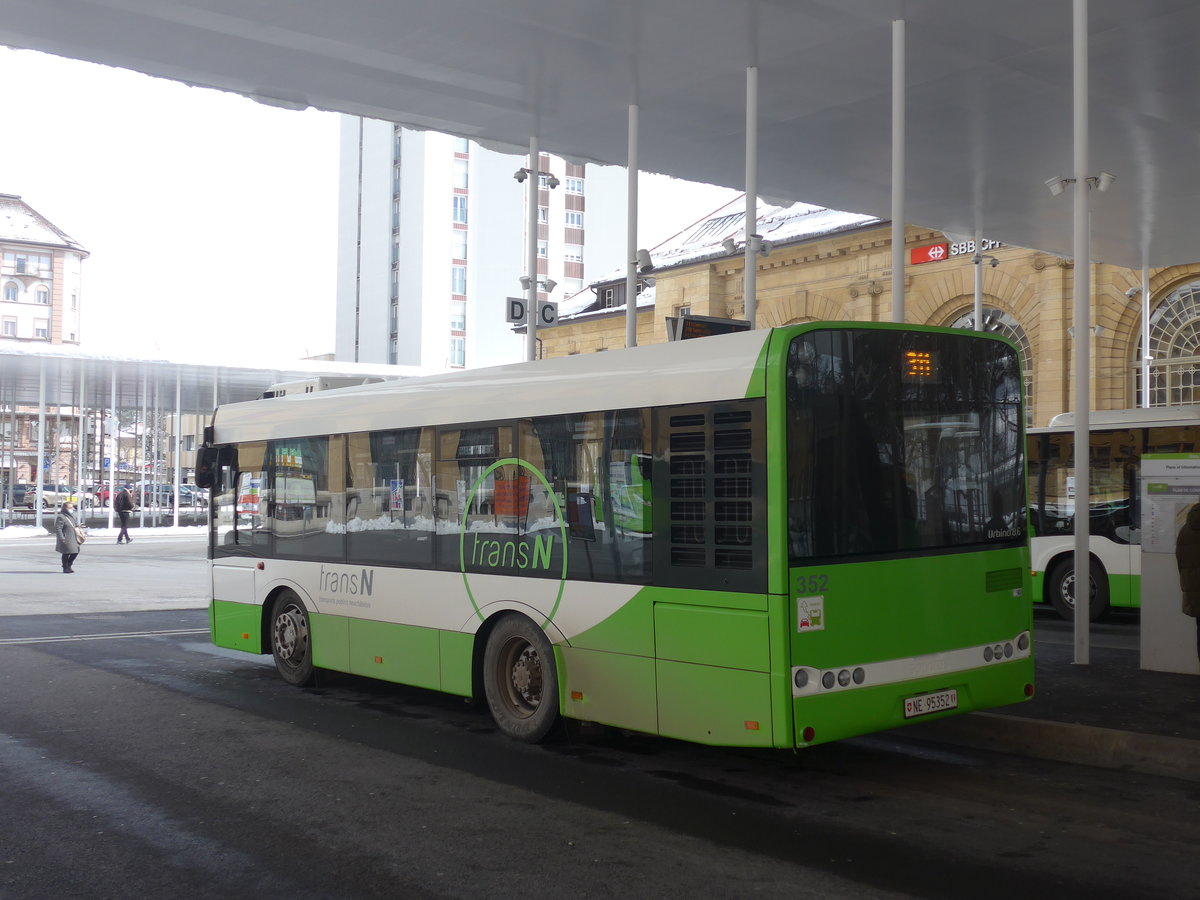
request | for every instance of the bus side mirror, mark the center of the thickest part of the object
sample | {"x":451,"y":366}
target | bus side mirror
{"x":206,"y":467}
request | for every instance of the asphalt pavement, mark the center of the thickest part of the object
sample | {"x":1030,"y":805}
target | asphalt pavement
{"x":1109,"y":713}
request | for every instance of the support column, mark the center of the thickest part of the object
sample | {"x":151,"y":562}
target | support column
{"x":978,"y":260}
{"x":1083,"y":335}
{"x":750,"y":277}
{"x":631,"y":222}
{"x":142,"y":457}
{"x":116,"y":451}
{"x":178,"y":462}
{"x":1146,"y":357}
{"x":898,"y":170}
{"x":41,"y":441}
{"x":531,"y":255}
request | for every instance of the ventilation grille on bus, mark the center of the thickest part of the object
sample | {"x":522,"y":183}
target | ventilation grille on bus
{"x":1002,"y":580}
{"x":711,"y":489}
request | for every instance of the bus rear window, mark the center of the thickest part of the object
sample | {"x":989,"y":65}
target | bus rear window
{"x":902,"y":442}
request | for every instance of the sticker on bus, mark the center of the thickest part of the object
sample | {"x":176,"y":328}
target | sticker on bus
{"x":810,"y":613}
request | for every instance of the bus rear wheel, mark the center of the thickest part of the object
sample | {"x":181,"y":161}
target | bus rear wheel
{"x":291,"y":642}
{"x":1061,"y":590}
{"x":520,"y":679}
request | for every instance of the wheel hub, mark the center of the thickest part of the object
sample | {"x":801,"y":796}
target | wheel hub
{"x":290,"y":634}
{"x":527,"y":676}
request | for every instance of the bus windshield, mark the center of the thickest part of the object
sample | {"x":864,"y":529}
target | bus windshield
{"x":891,"y":449}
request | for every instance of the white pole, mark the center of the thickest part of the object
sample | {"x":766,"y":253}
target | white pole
{"x":115,"y":431}
{"x":531,"y":257}
{"x":750,"y":279}
{"x":1146,"y":357}
{"x":79,"y":462}
{"x":898,"y":170}
{"x":1083,"y":334}
{"x":978,"y":260}
{"x":41,"y":440}
{"x":178,"y":441}
{"x":142,"y":461}
{"x":631,"y":221}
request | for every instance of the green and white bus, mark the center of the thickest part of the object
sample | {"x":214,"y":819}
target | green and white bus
{"x":775,"y":538}
{"x":1118,"y":438}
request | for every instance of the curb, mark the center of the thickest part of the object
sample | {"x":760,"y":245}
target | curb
{"x":1086,"y":745}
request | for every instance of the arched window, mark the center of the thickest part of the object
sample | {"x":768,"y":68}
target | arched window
{"x":10,"y":292}
{"x":997,"y":321}
{"x":1174,"y":348}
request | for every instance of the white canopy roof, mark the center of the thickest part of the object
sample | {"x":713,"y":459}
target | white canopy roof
{"x":989,"y":96}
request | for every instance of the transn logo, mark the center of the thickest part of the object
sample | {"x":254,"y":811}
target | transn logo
{"x":931,"y":253}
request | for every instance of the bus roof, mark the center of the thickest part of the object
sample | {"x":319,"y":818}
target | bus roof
{"x":1157,"y":416}
{"x":693,"y":371}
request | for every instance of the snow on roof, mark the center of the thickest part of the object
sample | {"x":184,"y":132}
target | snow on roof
{"x":704,"y":240}
{"x":21,"y":222}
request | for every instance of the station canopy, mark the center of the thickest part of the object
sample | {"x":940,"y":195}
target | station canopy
{"x":989,"y":92}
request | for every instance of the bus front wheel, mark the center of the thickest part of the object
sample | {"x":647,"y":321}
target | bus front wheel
{"x":1061,"y":590}
{"x":520,"y":679}
{"x":291,"y":642}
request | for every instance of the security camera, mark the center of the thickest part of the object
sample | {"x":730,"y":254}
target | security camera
{"x":1133,"y":292}
{"x":1105,"y":180}
{"x":552,"y":182}
{"x":765,"y":247}
{"x":995,"y":262}
{"x":521,"y":175}
{"x":549,"y":284}
{"x":524,"y":279}
{"x":728,"y":245}
{"x":644,"y":262}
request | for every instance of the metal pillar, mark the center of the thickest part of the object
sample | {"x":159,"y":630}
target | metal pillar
{"x":178,"y":462}
{"x":978,"y":260}
{"x":631,"y":221}
{"x":1083,"y":334}
{"x":898,"y":172}
{"x":1146,"y":357}
{"x":41,"y":441}
{"x":116,"y":450}
{"x":750,"y":278}
{"x":531,"y":254}
{"x":142,"y":458}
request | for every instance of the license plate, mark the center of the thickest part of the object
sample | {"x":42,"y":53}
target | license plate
{"x":925,"y":704}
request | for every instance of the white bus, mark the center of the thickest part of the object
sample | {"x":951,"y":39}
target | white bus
{"x":1119,"y":438}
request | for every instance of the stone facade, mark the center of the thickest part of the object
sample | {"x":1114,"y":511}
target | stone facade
{"x":847,"y":277}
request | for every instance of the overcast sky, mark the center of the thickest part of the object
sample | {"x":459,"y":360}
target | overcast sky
{"x":211,"y":219}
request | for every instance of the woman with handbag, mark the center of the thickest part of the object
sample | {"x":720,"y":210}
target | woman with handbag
{"x":68,"y":536}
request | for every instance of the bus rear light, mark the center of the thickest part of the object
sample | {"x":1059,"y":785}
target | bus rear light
{"x":576,"y":695}
{"x":808,"y":734}
{"x":801,"y":678}
{"x":1029,"y":690}
{"x":844,"y":677}
{"x":827,"y":680}
{"x":1023,"y":641}
{"x":379,"y":659}
{"x":262,"y":567}
{"x":750,"y":726}
{"x":245,"y":636}
{"x":859,"y":675}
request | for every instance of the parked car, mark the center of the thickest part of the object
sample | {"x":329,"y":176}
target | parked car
{"x":102,"y":493}
{"x":164,"y":495}
{"x":18,"y":494}
{"x":54,"y":495}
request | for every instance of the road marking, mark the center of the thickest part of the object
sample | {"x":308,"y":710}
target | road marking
{"x":99,"y":637}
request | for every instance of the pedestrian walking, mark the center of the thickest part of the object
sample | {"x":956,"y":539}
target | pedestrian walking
{"x":1187,"y":557}
{"x":66,"y":533}
{"x":123,"y":504}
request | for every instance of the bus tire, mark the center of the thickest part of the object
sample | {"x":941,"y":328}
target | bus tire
{"x":1060,"y":589}
{"x":291,"y":639}
{"x":520,"y":679}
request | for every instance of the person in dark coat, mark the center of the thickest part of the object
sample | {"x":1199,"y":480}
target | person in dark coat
{"x":1187,"y":557}
{"x":124,"y":506}
{"x":65,"y":541}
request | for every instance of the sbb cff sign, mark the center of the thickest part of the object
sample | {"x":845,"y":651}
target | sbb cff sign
{"x":945,"y":250}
